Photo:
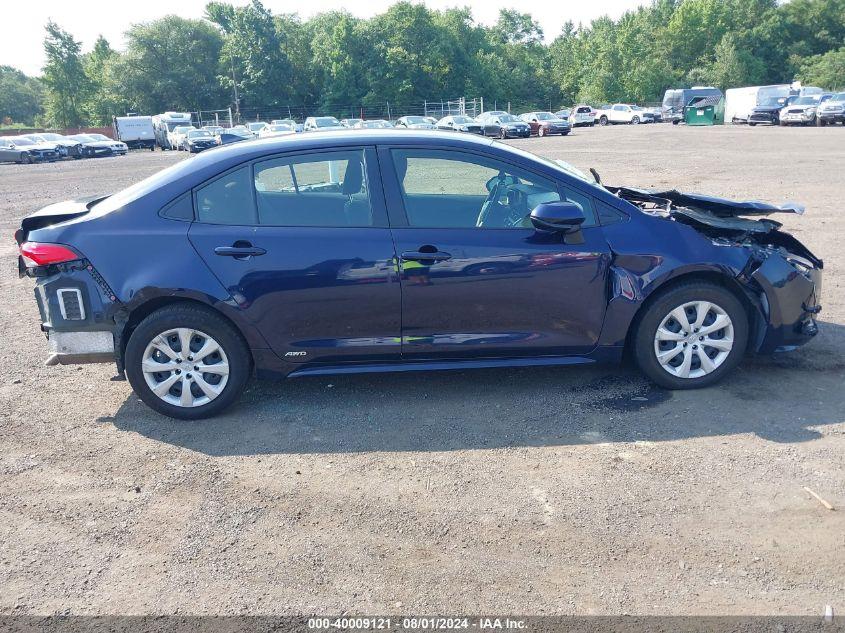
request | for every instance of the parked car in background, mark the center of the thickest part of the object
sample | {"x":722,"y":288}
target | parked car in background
{"x":768,"y":112}
{"x":803,"y":110}
{"x":582,"y":114}
{"x":321,"y":124}
{"x":177,"y":137}
{"x":214,"y":129}
{"x":545,"y":123}
{"x":431,"y":119}
{"x":656,"y":114}
{"x":564,"y":114}
{"x":373,"y":124}
{"x":94,"y":145}
{"x":504,"y":125}
{"x":624,"y":113}
{"x":414,"y":123}
{"x":256,"y":126}
{"x":198,"y":140}
{"x":277,"y":129}
{"x":676,"y":99}
{"x":297,"y":127}
{"x":833,"y":110}
{"x":136,"y":131}
{"x":460,"y":123}
{"x":350,"y":122}
{"x":64,"y":145}
{"x":233,"y":135}
{"x":294,"y":257}
{"x":17,"y":149}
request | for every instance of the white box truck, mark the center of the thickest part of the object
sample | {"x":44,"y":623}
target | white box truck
{"x":136,"y":131}
{"x":739,"y":102}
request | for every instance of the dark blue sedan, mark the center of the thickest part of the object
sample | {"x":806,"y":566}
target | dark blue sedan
{"x":379,"y":251}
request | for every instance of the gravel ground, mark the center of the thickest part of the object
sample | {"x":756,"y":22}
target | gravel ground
{"x":532,"y":491}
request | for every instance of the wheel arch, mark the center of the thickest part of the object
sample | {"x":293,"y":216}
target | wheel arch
{"x":756,"y":322}
{"x":132,"y":318}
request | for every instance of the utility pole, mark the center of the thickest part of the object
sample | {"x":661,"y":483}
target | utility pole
{"x":235,"y":87}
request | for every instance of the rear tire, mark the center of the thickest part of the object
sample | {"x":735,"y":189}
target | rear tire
{"x":146,"y":347}
{"x":702,"y":355}
{"x":603,"y":120}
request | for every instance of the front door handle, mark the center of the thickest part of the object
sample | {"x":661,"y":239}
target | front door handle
{"x":419,"y":256}
{"x":239,"y":250}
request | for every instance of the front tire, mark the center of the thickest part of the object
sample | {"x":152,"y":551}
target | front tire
{"x":635,"y":120}
{"x":187,"y":362}
{"x":691,"y":336}
{"x":603,"y":120}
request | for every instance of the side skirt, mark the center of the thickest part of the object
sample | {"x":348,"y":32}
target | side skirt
{"x":439,"y":365}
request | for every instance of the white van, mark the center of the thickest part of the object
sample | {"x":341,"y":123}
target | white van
{"x":165,"y":123}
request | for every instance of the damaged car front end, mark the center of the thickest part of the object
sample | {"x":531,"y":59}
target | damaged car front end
{"x":780,"y":277}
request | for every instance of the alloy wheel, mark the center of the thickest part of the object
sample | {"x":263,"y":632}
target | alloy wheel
{"x":694,"y":339}
{"x":185,"y":367}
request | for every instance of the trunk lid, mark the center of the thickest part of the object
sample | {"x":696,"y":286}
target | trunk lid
{"x":55,"y":214}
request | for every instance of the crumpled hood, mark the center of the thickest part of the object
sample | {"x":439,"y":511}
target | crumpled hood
{"x":720,"y":207}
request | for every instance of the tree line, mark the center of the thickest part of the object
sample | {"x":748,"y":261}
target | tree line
{"x":411,"y":53}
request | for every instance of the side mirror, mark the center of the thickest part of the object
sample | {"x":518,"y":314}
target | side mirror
{"x":558,"y":217}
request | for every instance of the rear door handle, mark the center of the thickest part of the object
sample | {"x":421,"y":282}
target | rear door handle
{"x":239,"y":251}
{"x":417,"y":256}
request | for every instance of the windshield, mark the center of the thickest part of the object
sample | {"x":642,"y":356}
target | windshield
{"x":508,"y":118}
{"x":774,"y":101}
{"x":175,"y":124}
{"x":199,"y":134}
{"x":256,"y":126}
{"x":22,"y":141}
{"x":52,"y":137}
{"x":99,"y":137}
{"x":545,"y":116}
{"x":461,"y":119}
{"x":181,"y":129}
{"x":281,"y":127}
{"x":806,"y":101}
{"x":415,"y":120}
{"x":839,"y":96}
{"x":326,"y":121}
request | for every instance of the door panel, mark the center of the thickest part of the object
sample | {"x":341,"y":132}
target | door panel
{"x":505,"y":293}
{"x":301,"y":244}
{"x":511,"y":291}
{"x":328,"y":292}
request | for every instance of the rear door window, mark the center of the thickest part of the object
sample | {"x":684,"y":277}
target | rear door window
{"x":320,"y":189}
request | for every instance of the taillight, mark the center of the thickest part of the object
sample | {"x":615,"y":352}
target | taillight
{"x":40,"y":254}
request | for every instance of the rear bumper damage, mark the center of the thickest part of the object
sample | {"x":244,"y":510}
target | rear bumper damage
{"x":77,"y":348}
{"x":77,"y":316}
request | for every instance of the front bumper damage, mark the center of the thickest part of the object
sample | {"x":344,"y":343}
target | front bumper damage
{"x":782,"y":279}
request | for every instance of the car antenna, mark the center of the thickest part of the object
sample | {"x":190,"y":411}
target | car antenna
{"x":596,"y":175}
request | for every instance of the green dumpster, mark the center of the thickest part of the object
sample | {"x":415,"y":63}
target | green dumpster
{"x":705,"y":111}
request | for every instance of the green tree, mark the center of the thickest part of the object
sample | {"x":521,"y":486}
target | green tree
{"x":827,"y":70}
{"x":21,"y":97}
{"x":171,"y":64}
{"x":255,"y":50}
{"x":65,"y":78}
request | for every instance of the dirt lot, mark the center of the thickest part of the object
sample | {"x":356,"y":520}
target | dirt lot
{"x":534,"y":491}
